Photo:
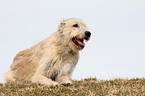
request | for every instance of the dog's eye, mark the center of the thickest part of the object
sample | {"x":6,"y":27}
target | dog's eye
{"x":75,"y":25}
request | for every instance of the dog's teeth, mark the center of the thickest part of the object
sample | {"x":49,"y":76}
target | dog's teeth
{"x":85,"y":41}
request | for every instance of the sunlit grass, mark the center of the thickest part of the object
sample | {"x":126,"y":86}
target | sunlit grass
{"x":88,"y":87}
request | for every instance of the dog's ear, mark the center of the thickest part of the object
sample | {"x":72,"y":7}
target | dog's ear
{"x":61,"y":27}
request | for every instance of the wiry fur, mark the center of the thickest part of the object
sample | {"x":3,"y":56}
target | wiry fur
{"x":51,"y":61}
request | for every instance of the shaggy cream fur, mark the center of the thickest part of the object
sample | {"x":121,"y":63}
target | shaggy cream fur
{"x":52,"y":61}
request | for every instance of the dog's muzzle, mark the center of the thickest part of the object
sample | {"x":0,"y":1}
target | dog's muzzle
{"x":79,"y":42}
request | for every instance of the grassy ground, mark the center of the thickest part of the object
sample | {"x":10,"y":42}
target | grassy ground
{"x":87,"y":87}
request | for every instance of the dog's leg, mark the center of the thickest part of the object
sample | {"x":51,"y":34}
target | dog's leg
{"x":40,"y":78}
{"x":64,"y":80}
{"x":43,"y":80}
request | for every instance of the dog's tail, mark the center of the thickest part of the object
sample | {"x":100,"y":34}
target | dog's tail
{"x":9,"y":76}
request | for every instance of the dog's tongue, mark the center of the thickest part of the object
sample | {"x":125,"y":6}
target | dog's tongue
{"x":81,"y":43}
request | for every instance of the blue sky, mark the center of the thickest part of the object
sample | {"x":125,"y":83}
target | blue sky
{"x":115,"y":50}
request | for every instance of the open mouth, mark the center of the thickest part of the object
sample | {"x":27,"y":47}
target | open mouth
{"x":78,"y":42}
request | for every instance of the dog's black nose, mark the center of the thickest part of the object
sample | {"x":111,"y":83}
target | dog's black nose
{"x":87,"y":33}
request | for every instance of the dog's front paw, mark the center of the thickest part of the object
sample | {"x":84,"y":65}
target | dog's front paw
{"x":66,"y":82}
{"x":55,"y":84}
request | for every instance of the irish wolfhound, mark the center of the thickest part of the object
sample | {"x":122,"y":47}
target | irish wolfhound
{"x":52,"y":61}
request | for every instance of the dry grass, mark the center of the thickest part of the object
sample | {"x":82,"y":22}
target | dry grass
{"x":87,"y":87}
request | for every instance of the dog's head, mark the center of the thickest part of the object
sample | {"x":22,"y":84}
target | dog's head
{"x":74,"y":31}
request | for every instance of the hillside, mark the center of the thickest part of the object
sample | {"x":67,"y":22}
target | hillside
{"x":87,"y":87}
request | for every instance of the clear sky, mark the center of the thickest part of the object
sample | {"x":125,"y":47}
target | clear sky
{"x":117,"y":46}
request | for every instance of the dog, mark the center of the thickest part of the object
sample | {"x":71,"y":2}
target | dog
{"x":52,"y":61}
